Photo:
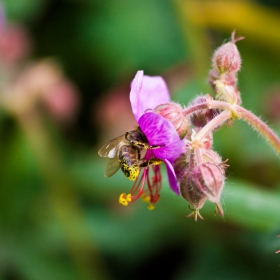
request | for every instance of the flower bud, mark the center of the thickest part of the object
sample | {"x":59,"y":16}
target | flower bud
{"x":183,"y":164}
{"x":202,"y":117}
{"x":212,"y":156}
{"x":200,"y":180}
{"x":195,"y":198}
{"x":208,"y":179}
{"x":174,"y":113}
{"x":214,"y":76}
{"x":227,"y":93}
{"x":226,"y":58}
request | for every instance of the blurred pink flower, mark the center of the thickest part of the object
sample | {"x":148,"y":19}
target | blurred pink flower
{"x":114,"y":111}
{"x":15,"y":44}
{"x":43,"y":82}
{"x":272,"y":103}
{"x":2,"y":16}
{"x":62,"y":101}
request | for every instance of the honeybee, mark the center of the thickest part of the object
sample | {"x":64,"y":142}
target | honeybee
{"x":125,"y":152}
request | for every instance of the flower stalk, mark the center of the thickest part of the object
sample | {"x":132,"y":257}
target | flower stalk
{"x":210,"y":126}
{"x":234,"y":111}
{"x":264,"y":130}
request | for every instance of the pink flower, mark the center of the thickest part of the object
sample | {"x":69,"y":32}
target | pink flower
{"x":145,"y":95}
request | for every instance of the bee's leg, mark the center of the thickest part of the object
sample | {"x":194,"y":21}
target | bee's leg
{"x":132,"y":138}
{"x":147,"y":146}
{"x":153,"y":161}
{"x":154,"y":147}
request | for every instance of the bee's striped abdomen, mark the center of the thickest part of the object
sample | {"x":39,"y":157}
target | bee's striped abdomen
{"x":129,"y":157}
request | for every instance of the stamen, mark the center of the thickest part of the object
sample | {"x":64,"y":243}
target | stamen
{"x":125,"y":199}
{"x":145,"y":198}
{"x":145,"y":186}
{"x":128,"y":197}
{"x":138,"y":186}
{"x":151,"y":206}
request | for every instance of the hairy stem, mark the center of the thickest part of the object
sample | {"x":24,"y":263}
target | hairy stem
{"x":218,"y":120}
{"x":195,"y":108}
{"x":215,"y":104}
{"x":198,"y":155}
{"x":259,"y":126}
{"x":234,"y":111}
{"x":209,"y":104}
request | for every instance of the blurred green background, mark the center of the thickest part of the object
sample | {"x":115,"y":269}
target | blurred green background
{"x":65,"y":71}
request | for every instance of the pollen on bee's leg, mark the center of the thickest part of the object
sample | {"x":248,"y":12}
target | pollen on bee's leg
{"x":125,"y":199}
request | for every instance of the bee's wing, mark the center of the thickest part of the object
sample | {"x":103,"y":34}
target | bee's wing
{"x":110,"y":149}
{"x":112,"y":167}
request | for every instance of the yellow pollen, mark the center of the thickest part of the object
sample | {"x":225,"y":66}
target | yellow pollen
{"x":145,"y":197}
{"x":128,"y":197}
{"x":124,"y":199}
{"x":151,"y":206}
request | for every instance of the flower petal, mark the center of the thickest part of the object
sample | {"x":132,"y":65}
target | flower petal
{"x":161,"y":132}
{"x":172,"y":177}
{"x":146,"y":93}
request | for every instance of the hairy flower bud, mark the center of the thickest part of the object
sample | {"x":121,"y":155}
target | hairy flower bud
{"x":183,"y":164}
{"x":208,"y":179}
{"x":201,"y":175}
{"x":195,"y":198}
{"x":202,"y":117}
{"x":174,"y":113}
{"x":191,"y":194}
{"x":226,"y":58}
{"x":212,"y":157}
{"x":214,"y":76}
{"x":227,"y":93}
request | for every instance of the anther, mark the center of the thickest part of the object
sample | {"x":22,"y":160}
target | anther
{"x":151,"y":206}
{"x":124,"y":199}
{"x":145,"y":197}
